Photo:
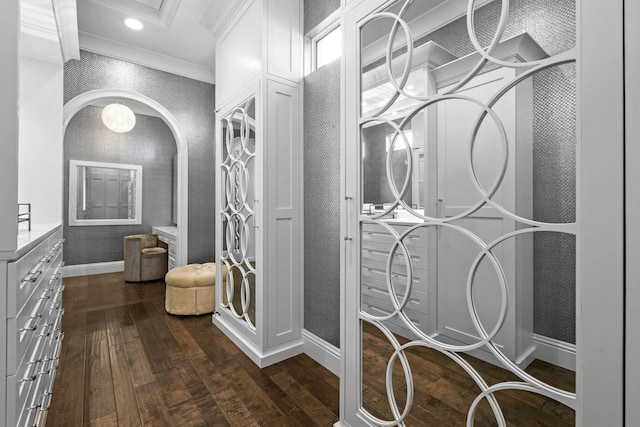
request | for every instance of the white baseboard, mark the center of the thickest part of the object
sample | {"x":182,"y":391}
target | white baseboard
{"x":324,"y":353}
{"x":556,"y":352}
{"x":260,"y":358}
{"x":89,"y":269}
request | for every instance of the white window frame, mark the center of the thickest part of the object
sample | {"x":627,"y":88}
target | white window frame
{"x":318,"y":37}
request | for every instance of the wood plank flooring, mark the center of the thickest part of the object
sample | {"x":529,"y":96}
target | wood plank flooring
{"x":126,"y":362}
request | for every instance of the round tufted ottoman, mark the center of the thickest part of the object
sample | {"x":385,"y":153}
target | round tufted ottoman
{"x":191,"y":289}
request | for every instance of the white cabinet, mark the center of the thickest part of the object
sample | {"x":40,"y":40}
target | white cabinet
{"x":457,"y":194}
{"x":168,"y":235}
{"x":258,"y":177}
{"x":377,"y":244}
{"x":32,"y":322}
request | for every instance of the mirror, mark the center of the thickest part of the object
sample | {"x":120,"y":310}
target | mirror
{"x":104,"y":193}
{"x":394,"y":133}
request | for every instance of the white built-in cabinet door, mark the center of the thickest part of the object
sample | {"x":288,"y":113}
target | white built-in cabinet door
{"x":457,"y":194}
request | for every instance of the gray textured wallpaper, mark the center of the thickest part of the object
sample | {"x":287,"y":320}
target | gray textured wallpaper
{"x":322,"y":203}
{"x":151,"y":145}
{"x":316,"y":11}
{"x":552,"y":24}
{"x":192,"y":104}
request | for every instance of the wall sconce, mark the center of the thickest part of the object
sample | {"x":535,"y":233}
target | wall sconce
{"x":118,"y":118}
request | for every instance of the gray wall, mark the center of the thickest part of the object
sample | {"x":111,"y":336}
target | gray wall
{"x":552,"y":25}
{"x":322,"y":203}
{"x":316,"y":11}
{"x":151,"y":145}
{"x":192,"y":104}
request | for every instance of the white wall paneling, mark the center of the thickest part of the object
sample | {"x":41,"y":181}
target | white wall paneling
{"x":284,"y":169}
{"x":284,"y":49}
{"x":239,"y":51}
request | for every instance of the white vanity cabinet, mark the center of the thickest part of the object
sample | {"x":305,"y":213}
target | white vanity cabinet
{"x":32,"y":325}
{"x":168,"y":235}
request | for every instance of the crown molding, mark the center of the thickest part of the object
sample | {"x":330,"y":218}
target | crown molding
{"x":103,"y":46}
{"x":38,"y":21}
{"x":66,"y":17}
{"x":39,"y":37}
{"x":49,"y":30}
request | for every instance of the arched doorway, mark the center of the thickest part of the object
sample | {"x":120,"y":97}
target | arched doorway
{"x":76,"y":104}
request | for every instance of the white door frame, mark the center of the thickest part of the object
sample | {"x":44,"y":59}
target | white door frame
{"x":600,"y":210}
{"x":600,"y":213}
{"x":632,"y":160}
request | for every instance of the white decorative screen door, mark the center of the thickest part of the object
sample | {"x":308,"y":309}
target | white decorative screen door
{"x":238,"y":239}
{"x":441,"y":263}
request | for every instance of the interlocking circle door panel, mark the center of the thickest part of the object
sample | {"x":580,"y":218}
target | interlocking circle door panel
{"x":460,"y":197}
{"x":238,"y":213}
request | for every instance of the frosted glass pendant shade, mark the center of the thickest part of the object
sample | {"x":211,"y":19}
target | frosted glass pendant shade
{"x":118,"y":118}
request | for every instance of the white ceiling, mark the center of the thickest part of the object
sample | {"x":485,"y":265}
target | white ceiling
{"x":178,"y":35}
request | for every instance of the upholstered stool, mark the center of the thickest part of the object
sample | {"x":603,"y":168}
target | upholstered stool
{"x":191,"y":289}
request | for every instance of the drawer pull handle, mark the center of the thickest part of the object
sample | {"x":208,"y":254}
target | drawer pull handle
{"x":32,"y":277}
{"x":32,"y":327}
{"x":29,"y":378}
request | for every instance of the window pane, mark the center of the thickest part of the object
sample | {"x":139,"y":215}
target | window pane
{"x":329,"y":47}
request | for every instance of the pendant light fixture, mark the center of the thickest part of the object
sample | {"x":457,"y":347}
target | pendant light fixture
{"x":118,"y":118}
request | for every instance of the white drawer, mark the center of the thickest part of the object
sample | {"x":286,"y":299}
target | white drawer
{"x":22,"y":387}
{"x":55,"y":240}
{"x":378,"y":259}
{"x":25,"y":275}
{"x":377,"y":276}
{"x":377,"y":233}
{"x":22,"y":329}
{"x":418,"y":301}
{"x":40,"y":397}
{"x":381,"y":307}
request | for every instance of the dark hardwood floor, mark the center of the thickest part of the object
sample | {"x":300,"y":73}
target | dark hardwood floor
{"x":126,"y":362}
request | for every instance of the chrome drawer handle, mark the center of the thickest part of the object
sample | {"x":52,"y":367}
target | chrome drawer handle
{"x":30,"y":378}
{"x":32,"y":277}
{"x":34,"y":323}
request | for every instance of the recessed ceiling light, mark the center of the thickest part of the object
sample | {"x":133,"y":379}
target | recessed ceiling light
{"x":133,"y":23}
